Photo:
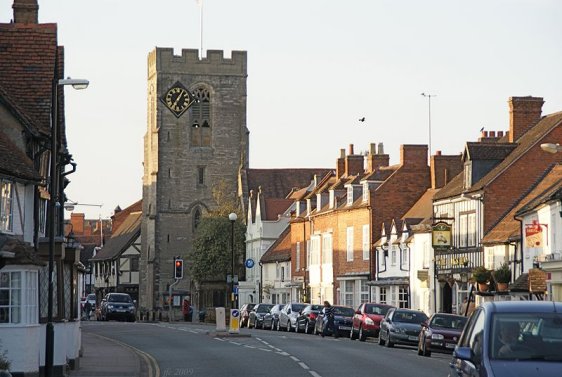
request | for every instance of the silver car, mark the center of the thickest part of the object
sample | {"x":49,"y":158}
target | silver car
{"x":288,"y":316}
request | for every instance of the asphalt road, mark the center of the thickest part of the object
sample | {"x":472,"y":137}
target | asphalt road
{"x":192,"y":350}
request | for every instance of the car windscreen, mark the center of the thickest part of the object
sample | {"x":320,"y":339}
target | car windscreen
{"x":297,"y":307}
{"x":119,"y":298}
{"x":376,"y":309}
{"x":264,"y":308}
{"x":409,"y":317}
{"x":344,"y":312}
{"x":316,"y":308}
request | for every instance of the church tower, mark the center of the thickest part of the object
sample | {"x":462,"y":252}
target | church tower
{"x":196,"y":137}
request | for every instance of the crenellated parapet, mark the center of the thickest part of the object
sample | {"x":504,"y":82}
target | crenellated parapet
{"x":164,"y":60}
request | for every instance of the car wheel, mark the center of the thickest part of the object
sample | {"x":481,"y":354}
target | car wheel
{"x":352,"y":334}
{"x":362,"y":336}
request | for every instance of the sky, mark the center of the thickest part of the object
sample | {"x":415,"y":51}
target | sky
{"x":314,"y":68}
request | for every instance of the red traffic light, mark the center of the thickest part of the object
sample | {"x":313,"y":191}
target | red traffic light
{"x":178,"y":269}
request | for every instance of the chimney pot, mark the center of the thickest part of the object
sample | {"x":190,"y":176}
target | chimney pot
{"x":492,"y":133}
{"x":350,"y":149}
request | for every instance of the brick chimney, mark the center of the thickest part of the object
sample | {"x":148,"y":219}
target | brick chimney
{"x":77,"y":221}
{"x":376,"y":160}
{"x":444,"y":168}
{"x":353,"y":163}
{"x":524,"y":113}
{"x":340,"y":164}
{"x":26,"y":11}
{"x":413,"y":155}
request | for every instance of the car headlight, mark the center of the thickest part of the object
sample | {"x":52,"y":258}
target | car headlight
{"x":132,"y":309}
{"x":369,"y":321}
{"x":110,"y":306}
{"x":437,"y":336}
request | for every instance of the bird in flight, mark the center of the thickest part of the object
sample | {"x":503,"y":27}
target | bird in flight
{"x":482,"y":129}
{"x":362,"y":119}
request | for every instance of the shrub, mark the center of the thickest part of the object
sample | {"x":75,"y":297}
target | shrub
{"x":481,"y":274}
{"x":503,"y":273}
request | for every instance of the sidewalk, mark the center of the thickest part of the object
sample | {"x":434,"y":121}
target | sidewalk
{"x":105,"y":357}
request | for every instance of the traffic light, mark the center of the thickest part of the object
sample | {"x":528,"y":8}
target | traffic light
{"x":178,"y":268}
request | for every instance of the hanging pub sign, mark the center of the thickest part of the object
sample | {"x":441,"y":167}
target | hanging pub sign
{"x":441,"y":235}
{"x":534,"y":234}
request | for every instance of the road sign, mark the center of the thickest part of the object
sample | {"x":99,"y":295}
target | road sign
{"x":249,"y":263}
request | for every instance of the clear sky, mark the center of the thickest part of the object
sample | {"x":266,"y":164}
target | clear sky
{"x":314,"y":68}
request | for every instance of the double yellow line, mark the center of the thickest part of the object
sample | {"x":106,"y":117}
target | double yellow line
{"x":151,"y":363}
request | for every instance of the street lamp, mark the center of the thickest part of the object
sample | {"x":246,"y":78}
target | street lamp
{"x":53,"y":204}
{"x":232,"y":217}
{"x":551,"y":147}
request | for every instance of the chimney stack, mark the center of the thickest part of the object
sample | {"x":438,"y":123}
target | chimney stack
{"x":26,"y":11}
{"x":524,"y":113}
{"x":444,"y":168}
{"x":77,"y":221}
{"x":413,"y":155}
{"x":376,"y":160}
{"x":353,"y":163}
{"x":340,"y":164}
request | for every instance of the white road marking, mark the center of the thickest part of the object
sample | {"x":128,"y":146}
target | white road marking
{"x":314,"y":373}
{"x":303,"y":365}
{"x":295,"y":359}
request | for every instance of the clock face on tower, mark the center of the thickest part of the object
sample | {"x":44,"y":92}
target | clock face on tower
{"x":177,"y":99}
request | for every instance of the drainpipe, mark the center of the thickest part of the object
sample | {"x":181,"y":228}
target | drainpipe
{"x":261,"y":281}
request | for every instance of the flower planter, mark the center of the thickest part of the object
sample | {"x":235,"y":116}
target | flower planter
{"x":483,"y":287}
{"x":502,"y":287}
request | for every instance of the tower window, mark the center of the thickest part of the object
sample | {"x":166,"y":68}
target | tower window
{"x":201,"y":175}
{"x":201,"y":118}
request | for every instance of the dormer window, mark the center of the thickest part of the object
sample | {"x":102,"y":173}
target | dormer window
{"x":467,"y":175}
{"x":365,"y":192}
{"x":349,"y":195}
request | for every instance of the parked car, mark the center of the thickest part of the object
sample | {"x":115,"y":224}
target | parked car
{"x":118,"y":306}
{"x":343,"y":318}
{"x":257,"y":314}
{"x":511,"y":338}
{"x":271,"y":318}
{"x":307,"y":318}
{"x":401,"y":326}
{"x":367,"y":320}
{"x":442,"y":331}
{"x":245,"y":314}
{"x":288,"y":316}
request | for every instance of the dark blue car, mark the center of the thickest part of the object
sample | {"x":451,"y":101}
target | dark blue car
{"x":343,"y":319}
{"x":511,"y":338}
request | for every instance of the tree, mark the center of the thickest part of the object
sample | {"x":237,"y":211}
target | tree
{"x":211,"y":258}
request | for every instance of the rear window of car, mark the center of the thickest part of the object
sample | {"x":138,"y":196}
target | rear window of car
{"x":346,"y":312}
{"x":448,"y":322}
{"x":264,"y":308}
{"x":91,"y":296}
{"x":409,"y":317}
{"x":376,"y":309}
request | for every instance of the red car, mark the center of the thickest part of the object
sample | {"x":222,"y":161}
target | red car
{"x":441,"y":331}
{"x":367,"y":320}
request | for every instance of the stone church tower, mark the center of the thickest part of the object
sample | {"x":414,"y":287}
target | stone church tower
{"x":196,"y":136}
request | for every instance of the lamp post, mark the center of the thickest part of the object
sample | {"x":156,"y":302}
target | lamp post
{"x":551,"y":147}
{"x":232,"y":217}
{"x":53,"y":204}
{"x":428,"y":96}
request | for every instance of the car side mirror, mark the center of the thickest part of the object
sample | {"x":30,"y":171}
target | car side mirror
{"x":463,"y":353}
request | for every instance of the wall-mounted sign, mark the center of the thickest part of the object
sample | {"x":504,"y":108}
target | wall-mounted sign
{"x":441,"y":235}
{"x":534,"y":234}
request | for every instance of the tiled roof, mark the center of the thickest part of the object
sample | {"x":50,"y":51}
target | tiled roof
{"x":122,"y":237}
{"x":280,"y":250}
{"x":551,"y":193}
{"x":275,"y":207}
{"x":453,"y":188}
{"x":17,"y":112}
{"x":24,"y":252}
{"x":278,"y":183}
{"x":14,"y":163}
{"x":382,"y":174}
{"x":121,"y":215}
{"x":423,"y":208}
{"x":488,"y":151}
{"x":526,"y":142}
{"x":509,"y":229}
{"x":27,"y":69}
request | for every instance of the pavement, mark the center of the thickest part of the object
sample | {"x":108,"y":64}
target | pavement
{"x":102,"y":356}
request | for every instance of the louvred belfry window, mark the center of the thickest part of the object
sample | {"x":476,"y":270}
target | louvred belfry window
{"x":201,"y":118}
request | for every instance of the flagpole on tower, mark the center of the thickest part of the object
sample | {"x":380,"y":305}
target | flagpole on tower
{"x":200,"y":5}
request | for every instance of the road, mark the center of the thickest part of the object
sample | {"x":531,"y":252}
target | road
{"x":185,"y":349}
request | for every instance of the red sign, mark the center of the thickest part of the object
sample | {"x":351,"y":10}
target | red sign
{"x":534,"y":234}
